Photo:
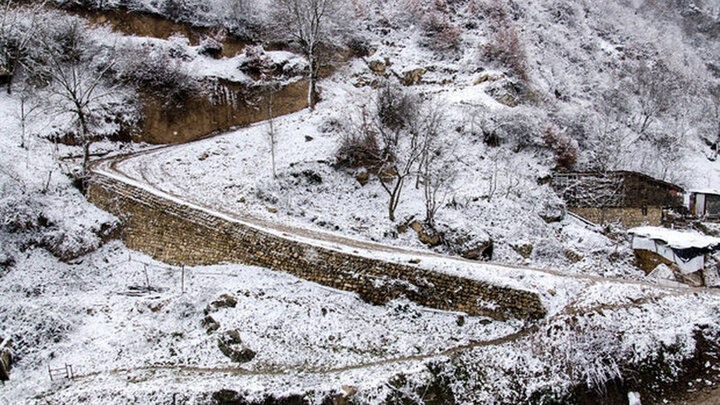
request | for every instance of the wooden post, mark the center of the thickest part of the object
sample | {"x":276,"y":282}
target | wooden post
{"x":147,"y":279}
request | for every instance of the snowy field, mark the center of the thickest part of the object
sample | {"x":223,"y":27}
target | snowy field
{"x":98,"y":316}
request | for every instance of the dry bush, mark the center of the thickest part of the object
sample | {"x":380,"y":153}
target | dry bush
{"x":154,"y":70}
{"x":358,"y":150}
{"x":395,"y":107}
{"x":564,"y":146}
{"x":434,"y":18}
{"x":506,"y":47}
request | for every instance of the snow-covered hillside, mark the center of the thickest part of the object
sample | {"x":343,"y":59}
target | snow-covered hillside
{"x":522,"y":88}
{"x":581,"y":79}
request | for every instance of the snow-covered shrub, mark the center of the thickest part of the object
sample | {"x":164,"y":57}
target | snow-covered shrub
{"x":506,"y":48}
{"x":33,"y":327}
{"x":394,"y":106}
{"x":519,"y":128}
{"x":153,"y":69}
{"x":359,"y":47}
{"x":434,"y":19}
{"x":256,"y":61}
{"x":210,"y":47}
{"x":358,"y":149}
{"x":564,"y":146}
{"x":16,"y":214}
{"x":505,"y":45}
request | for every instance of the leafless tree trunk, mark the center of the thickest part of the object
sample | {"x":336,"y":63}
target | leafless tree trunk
{"x":78,"y":87}
{"x":655,"y":87}
{"x":311,"y":23}
{"x":271,"y":132}
{"x":715,"y":112}
{"x":28,"y":108}
{"x":436,"y":166}
{"x":409,"y":130}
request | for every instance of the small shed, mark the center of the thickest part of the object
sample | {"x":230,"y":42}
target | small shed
{"x":705,"y":203}
{"x":685,"y":251}
{"x":632,"y":198}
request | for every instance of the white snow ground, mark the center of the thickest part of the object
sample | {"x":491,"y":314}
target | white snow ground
{"x":76,"y":313}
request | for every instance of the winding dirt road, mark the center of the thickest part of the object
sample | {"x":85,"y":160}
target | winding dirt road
{"x":111,"y":167}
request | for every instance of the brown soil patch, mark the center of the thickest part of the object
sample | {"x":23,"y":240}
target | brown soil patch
{"x":150,"y":25}
{"x":231,"y":104}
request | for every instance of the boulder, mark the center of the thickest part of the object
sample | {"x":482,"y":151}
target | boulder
{"x":552,"y":213}
{"x":506,"y":92}
{"x":362,"y":177}
{"x":413,"y":77}
{"x":487,"y":77}
{"x":482,"y":79}
{"x":210,"y":324}
{"x":662,"y":272}
{"x":344,"y":397}
{"x":474,"y":245}
{"x":377,"y":67}
{"x":523,"y":249}
{"x":693,"y":279}
{"x":573,"y":256}
{"x":426,"y":233}
{"x":212,"y":48}
{"x":482,"y":251}
{"x":225,"y":301}
{"x":232,"y":346}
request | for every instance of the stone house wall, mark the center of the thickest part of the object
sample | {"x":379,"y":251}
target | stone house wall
{"x":629,"y":217}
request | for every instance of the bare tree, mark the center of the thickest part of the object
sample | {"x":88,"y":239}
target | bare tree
{"x":76,"y":69}
{"x":438,"y":174}
{"x":437,"y":166}
{"x":401,"y":142}
{"x":312,"y":24}
{"x":655,"y":87}
{"x":18,"y":26}
{"x":397,"y":139}
{"x":271,"y":132}
{"x":505,"y":45}
{"x":608,"y":140}
{"x":28,"y":108}
{"x":715,"y":115}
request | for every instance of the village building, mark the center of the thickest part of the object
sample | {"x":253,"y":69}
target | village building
{"x":677,"y":256}
{"x":632,"y":198}
{"x":705,"y":204}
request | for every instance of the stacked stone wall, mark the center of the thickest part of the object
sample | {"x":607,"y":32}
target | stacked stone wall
{"x":178,"y":234}
{"x":629,"y":217}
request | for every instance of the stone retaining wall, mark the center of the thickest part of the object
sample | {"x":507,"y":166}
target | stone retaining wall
{"x":178,"y":234}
